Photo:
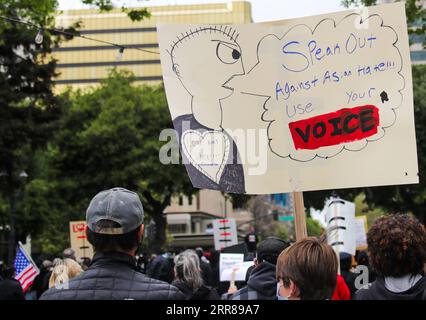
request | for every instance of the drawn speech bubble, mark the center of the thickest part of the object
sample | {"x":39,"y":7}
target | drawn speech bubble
{"x":328,"y":88}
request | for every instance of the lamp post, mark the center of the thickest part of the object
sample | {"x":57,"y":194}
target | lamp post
{"x":12,"y":232}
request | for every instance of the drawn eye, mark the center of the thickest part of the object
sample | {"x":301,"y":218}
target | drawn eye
{"x":227,"y":54}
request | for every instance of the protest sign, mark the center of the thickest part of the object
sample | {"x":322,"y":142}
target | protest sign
{"x":78,"y":239}
{"x":361,"y":232}
{"x":225,"y":233}
{"x":237,"y":272}
{"x":284,"y":106}
{"x":340,"y":218}
{"x":228,"y":261}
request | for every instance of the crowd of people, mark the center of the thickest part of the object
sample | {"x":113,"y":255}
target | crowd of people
{"x":308,"y":269}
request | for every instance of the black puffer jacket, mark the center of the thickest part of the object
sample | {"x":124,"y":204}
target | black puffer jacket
{"x":113,"y":276}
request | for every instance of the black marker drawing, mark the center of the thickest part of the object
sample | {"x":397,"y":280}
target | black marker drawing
{"x":209,"y":153}
{"x":384,"y":96}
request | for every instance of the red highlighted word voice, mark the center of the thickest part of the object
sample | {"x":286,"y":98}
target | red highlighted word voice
{"x":344,"y":125}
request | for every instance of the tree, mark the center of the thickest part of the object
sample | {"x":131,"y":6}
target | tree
{"x":313,"y":227}
{"x":107,"y":5}
{"x":28,"y":108}
{"x":264,"y":219}
{"x":109,"y":137}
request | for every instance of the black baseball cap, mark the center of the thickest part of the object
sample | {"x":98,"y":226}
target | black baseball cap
{"x":270,"y":248}
{"x":119,"y":205}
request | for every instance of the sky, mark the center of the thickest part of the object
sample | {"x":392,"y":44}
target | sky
{"x":262,"y":10}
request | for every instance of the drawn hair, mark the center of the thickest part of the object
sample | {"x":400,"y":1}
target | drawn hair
{"x":228,"y":31}
{"x":187,"y":269}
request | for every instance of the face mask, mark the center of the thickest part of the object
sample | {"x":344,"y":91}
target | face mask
{"x":279,"y":297}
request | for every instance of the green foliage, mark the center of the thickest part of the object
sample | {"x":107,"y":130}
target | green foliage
{"x":282,"y":231}
{"x":28,"y":108}
{"x":349,"y":3}
{"x":29,"y":111}
{"x":41,"y":216}
{"x":109,"y":137}
{"x":138,"y":15}
{"x":107,"y":5}
{"x":313,"y":227}
{"x":103,"y":5}
{"x":362,"y":208}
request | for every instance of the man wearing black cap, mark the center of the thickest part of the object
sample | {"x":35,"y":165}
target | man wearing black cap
{"x":262,"y":284}
{"x":115,"y":229}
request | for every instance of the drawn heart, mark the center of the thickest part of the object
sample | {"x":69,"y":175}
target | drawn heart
{"x":207,"y":151}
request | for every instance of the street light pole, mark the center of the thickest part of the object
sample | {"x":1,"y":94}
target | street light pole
{"x":12,"y":233}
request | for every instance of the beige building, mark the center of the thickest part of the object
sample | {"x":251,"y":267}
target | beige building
{"x":83,"y":63}
{"x":190,"y":219}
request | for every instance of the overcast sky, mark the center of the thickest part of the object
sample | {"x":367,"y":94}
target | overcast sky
{"x":262,"y":10}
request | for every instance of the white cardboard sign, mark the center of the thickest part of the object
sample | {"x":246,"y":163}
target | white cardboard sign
{"x":340,"y":218}
{"x":225,"y":233}
{"x":79,"y":241}
{"x":313,"y":103}
{"x":237,"y":273}
{"x":361,"y":232}
{"x":228,"y":261}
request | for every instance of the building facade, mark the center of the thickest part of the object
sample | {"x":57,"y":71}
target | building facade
{"x":83,"y":63}
{"x":190,"y":219}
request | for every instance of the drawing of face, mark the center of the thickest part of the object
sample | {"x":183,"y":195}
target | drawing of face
{"x":205,"y":52}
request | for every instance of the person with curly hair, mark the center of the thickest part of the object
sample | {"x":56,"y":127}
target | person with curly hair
{"x":397,"y":252}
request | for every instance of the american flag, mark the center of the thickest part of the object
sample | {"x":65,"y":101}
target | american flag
{"x":26,"y":270}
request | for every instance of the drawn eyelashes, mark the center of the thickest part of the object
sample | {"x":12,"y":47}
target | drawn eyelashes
{"x":227,"y":53}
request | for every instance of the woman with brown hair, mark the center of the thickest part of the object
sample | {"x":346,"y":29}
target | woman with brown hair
{"x":307,"y":271}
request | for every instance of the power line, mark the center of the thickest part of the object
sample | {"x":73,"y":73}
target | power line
{"x":72,"y":34}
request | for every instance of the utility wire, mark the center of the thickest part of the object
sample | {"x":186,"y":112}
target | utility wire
{"x":67,"y":33}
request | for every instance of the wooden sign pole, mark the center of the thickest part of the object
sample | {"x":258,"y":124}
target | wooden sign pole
{"x":299,"y":216}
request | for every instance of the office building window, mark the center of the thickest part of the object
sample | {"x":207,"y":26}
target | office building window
{"x":177,"y":228}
